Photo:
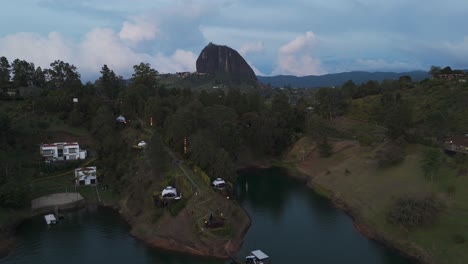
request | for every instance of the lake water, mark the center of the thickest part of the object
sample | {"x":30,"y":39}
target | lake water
{"x":289,"y":223}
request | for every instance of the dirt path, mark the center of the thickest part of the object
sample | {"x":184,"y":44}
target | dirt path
{"x":56,"y":200}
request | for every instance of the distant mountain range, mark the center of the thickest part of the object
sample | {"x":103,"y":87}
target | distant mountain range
{"x":337,"y":79}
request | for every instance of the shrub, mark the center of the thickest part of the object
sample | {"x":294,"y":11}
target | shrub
{"x":43,"y":125}
{"x":389,"y":155}
{"x":451,"y":189}
{"x":413,"y":212}
{"x":178,"y":206}
{"x":458,"y":239}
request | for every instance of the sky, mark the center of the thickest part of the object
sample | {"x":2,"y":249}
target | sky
{"x":293,"y":37}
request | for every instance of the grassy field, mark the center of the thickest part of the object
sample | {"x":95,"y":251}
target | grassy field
{"x":352,"y":175}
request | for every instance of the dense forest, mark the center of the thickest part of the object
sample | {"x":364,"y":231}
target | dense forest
{"x":220,"y":126}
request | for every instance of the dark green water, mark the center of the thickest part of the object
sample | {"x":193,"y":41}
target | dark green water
{"x":289,"y":223}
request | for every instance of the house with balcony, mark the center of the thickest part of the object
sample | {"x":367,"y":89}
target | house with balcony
{"x":62,"y":151}
{"x":85,"y":176}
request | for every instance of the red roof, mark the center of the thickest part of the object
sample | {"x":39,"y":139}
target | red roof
{"x":60,"y":143}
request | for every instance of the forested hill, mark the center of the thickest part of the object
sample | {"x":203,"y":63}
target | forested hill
{"x":337,"y":79}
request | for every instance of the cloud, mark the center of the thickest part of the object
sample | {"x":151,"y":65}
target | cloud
{"x":138,"y":30}
{"x":458,"y":51}
{"x":383,"y":65}
{"x":98,"y":47}
{"x":251,"y":47}
{"x":296,"y":57}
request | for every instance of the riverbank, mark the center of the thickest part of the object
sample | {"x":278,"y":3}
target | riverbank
{"x":51,"y":203}
{"x":351,"y":179}
{"x":181,"y":234}
{"x":11,"y":219}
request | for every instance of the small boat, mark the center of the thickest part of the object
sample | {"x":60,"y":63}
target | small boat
{"x":50,"y":219}
{"x":257,"y":257}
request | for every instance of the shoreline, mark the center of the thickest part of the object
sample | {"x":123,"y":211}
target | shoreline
{"x":8,"y":239}
{"x":359,"y":224}
{"x":8,"y":243}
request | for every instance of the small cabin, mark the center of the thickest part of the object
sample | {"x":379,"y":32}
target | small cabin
{"x":257,"y":257}
{"x":218,"y":183}
{"x":170,"y":193}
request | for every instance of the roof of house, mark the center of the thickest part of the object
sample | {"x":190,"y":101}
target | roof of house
{"x":59,"y":143}
{"x":169,"y":190}
{"x":218,"y":181}
{"x":259,"y":254}
{"x":458,"y":140}
{"x":120,"y":118}
{"x":86,"y":169}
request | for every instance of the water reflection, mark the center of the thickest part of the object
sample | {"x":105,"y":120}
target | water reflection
{"x":294,"y":225}
{"x":289,"y":222}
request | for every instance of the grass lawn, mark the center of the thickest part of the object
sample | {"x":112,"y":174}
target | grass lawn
{"x":354,"y":176}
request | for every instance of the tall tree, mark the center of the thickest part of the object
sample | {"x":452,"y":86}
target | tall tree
{"x":39,"y":79}
{"x":145,"y":75}
{"x":23,"y":72}
{"x":62,"y":75}
{"x":329,"y":102}
{"x":431,"y":162}
{"x":5,"y":70}
{"x":109,"y":83}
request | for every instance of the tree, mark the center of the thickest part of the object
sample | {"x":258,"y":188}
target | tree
{"x":109,"y":83}
{"x":14,"y":187}
{"x":434,"y":70}
{"x":145,"y":76}
{"x":404,"y":81}
{"x":23,"y":73}
{"x":431,"y":162}
{"x":39,"y":78}
{"x":222,"y":166}
{"x":5,"y":70}
{"x":349,"y":89}
{"x":329,"y":102}
{"x":446,"y":70}
{"x":397,"y":118}
{"x":62,"y":75}
{"x":158,"y":155}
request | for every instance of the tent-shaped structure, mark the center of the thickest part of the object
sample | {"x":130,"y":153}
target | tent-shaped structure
{"x":170,"y":193}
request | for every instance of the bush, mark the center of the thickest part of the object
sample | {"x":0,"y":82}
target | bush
{"x":43,"y":125}
{"x":459,"y":239}
{"x":389,"y":155}
{"x":413,"y":212}
{"x":178,"y":206}
{"x":451,"y":189}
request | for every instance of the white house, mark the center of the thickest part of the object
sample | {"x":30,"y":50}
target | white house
{"x":62,"y":151}
{"x":85,"y":176}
